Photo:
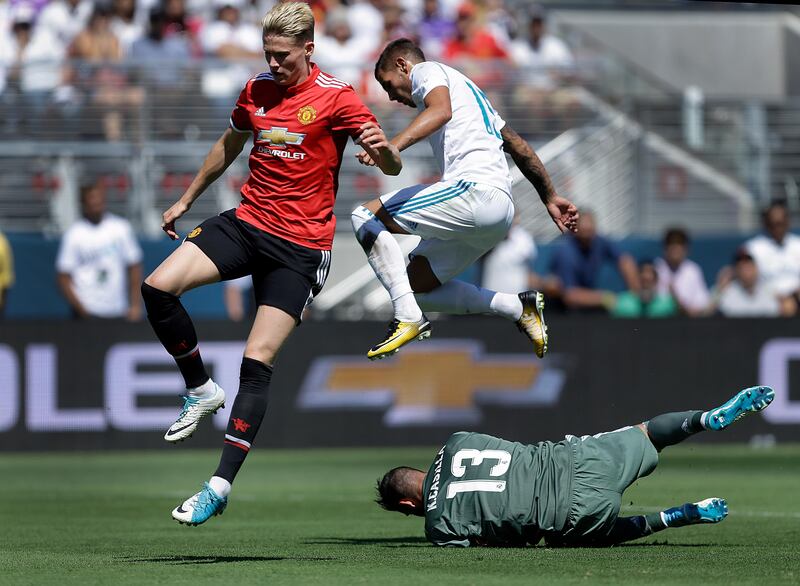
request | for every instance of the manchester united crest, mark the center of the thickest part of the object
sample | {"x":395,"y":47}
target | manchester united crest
{"x":195,"y":232}
{"x":307,"y":114}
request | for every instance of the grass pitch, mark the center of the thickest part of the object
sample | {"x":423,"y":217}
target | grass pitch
{"x":307,"y":517}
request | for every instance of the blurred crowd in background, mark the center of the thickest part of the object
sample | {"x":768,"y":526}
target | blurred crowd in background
{"x":762,"y":279}
{"x":59,"y":57}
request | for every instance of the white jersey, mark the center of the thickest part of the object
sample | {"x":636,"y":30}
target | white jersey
{"x":469,"y":147}
{"x":778,"y":264}
{"x":97,"y":256}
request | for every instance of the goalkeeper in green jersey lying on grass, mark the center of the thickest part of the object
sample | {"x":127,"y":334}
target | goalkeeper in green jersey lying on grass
{"x":482,"y":490}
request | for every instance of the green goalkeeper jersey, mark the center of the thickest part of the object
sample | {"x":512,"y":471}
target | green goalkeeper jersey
{"x":485,"y":490}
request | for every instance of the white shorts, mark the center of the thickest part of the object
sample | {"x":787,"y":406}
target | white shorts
{"x":458,"y":221}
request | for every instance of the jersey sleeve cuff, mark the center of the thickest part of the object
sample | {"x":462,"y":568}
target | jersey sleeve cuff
{"x":234,"y":127}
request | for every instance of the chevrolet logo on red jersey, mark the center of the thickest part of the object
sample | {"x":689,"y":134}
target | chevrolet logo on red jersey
{"x":439,"y":383}
{"x":280,"y":137}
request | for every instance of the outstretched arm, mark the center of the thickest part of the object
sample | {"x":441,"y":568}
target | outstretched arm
{"x":563,"y":211}
{"x":219,"y":158}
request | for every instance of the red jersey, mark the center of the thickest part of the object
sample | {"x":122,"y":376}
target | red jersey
{"x":299,"y":136}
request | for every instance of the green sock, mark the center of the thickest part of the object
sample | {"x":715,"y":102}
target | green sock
{"x":672,"y":428}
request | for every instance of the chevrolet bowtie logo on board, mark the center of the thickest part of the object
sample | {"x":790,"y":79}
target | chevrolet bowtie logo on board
{"x":280,"y":137}
{"x":436,"y":383}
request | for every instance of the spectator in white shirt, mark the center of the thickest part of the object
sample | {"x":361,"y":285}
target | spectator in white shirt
{"x":681,"y":277}
{"x":126,"y":23}
{"x":546,"y":56}
{"x":545,"y":66}
{"x":777,"y":253}
{"x":508,"y":267}
{"x":99,"y":263}
{"x":64,"y":19}
{"x":366,"y":19}
{"x":340,"y":52}
{"x":34,"y":60}
{"x":236,"y":45}
{"x":748,"y":296}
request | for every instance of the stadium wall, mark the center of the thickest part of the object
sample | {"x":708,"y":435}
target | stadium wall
{"x":80,"y":386}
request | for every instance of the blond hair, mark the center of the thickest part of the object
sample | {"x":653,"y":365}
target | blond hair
{"x":290,"y":19}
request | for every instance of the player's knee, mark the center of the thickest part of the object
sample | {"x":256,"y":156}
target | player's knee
{"x":263,"y":351}
{"x":156,"y":300}
{"x":366,"y":227}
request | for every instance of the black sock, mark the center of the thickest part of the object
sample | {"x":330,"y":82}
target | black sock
{"x":175,"y":330}
{"x":246,"y":416}
{"x":672,"y":428}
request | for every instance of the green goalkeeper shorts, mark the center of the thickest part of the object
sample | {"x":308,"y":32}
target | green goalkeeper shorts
{"x":605,"y":465}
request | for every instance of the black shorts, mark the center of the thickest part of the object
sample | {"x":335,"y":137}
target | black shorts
{"x":285,"y":275}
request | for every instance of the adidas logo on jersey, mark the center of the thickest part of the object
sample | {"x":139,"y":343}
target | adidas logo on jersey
{"x":260,"y":111}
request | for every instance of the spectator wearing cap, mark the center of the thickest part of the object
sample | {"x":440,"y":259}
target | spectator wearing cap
{"x":339,"y":51}
{"x":680,"y":276}
{"x":777,"y":251}
{"x":747,"y":295}
{"x":235,"y":45}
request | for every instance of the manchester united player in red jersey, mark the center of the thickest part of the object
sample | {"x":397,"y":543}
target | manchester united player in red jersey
{"x":281,"y":233}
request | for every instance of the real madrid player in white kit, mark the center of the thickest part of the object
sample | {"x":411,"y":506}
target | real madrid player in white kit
{"x":459,"y":218}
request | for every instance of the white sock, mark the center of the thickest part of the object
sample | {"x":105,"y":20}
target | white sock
{"x":204,"y":391}
{"x":508,"y":305}
{"x":387,"y":260}
{"x":459,"y":298}
{"x":219,"y":485}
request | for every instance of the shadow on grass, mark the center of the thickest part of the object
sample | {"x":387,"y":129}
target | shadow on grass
{"x":667,"y":544}
{"x":417,"y":541}
{"x":219,"y":559}
{"x":414,"y":541}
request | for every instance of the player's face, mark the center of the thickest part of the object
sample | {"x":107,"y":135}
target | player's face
{"x":397,"y":84}
{"x":288,"y":58}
